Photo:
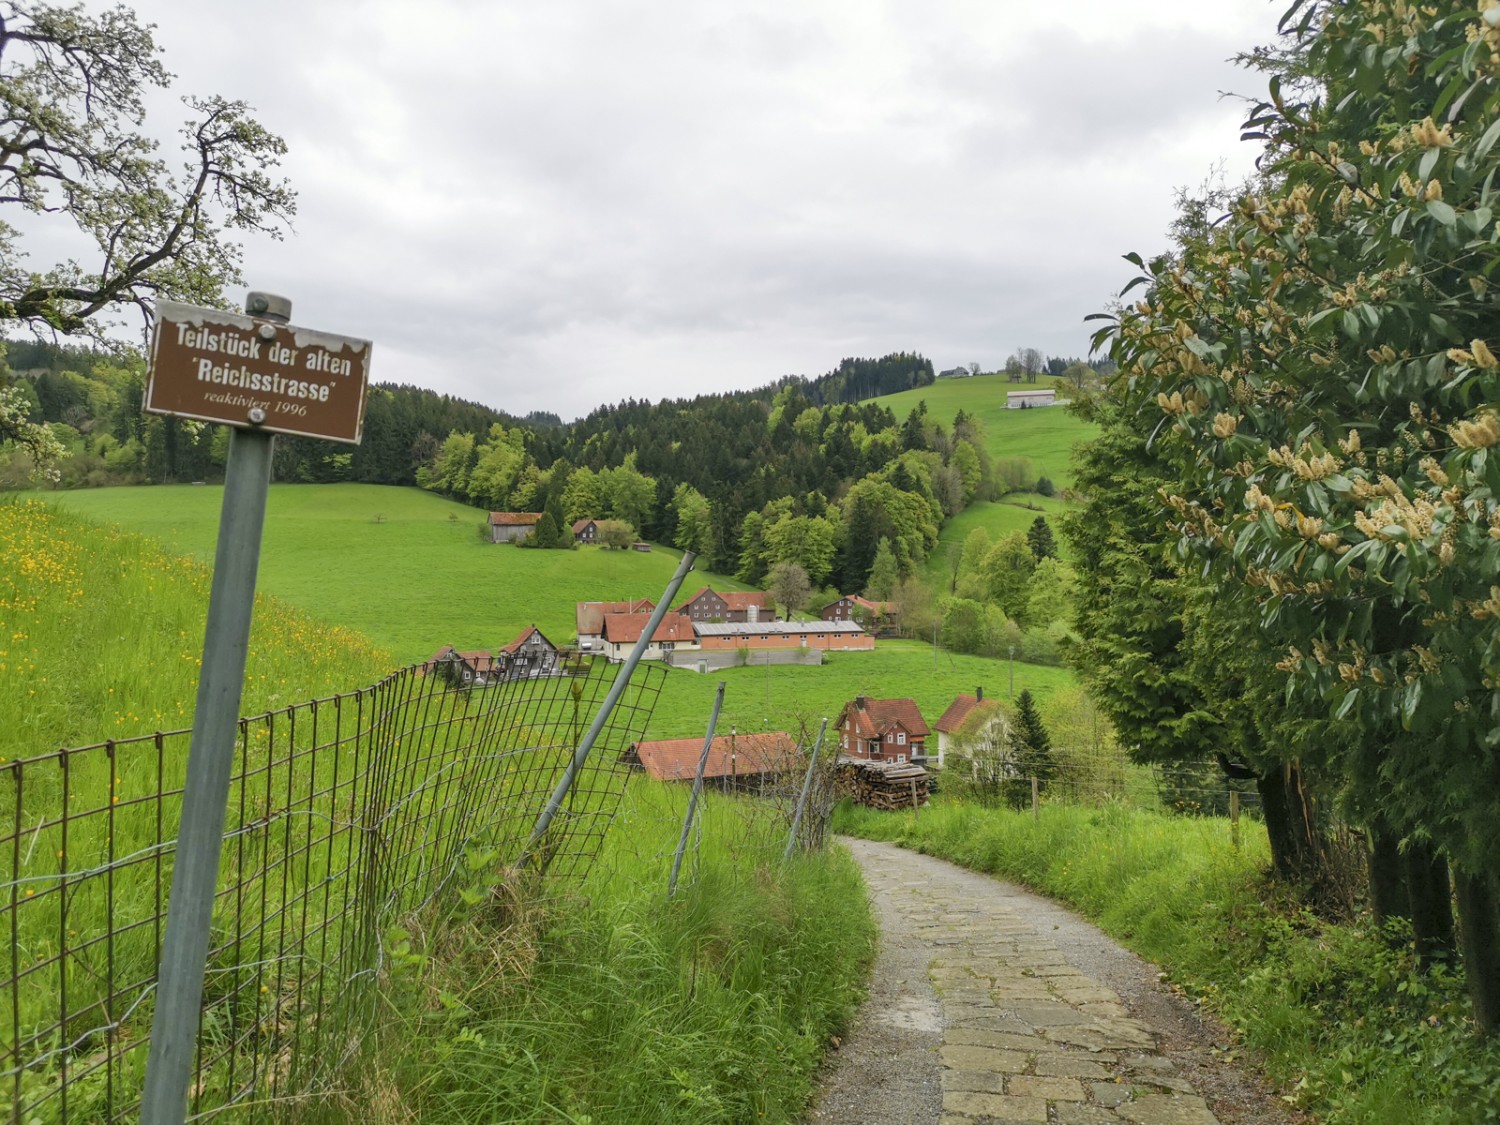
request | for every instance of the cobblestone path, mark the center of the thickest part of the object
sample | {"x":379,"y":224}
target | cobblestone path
{"x":1019,"y":1020}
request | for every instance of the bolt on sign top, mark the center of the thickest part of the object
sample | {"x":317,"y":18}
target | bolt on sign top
{"x":226,"y":367}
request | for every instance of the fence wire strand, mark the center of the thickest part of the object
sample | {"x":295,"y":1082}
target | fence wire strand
{"x":346,"y":815}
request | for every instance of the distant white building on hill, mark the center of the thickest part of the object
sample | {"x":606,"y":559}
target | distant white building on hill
{"x":1024,"y":400}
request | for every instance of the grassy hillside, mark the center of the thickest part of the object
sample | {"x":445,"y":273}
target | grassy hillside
{"x":1012,"y":514}
{"x":1046,"y":436}
{"x":101,"y":634}
{"x":404,"y":567}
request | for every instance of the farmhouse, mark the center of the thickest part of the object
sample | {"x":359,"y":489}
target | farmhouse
{"x":882,"y":730}
{"x":877,"y":616}
{"x":585,"y":531}
{"x":529,"y":655}
{"x":461,"y":669}
{"x":827,"y":635}
{"x":963,"y":710}
{"x":1024,"y":400}
{"x":706,"y":605}
{"x":735,"y":761}
{"x":955,"y":373}
{"x":622,"y":630}
{"x":512,"y":527}
{"x":589,"y":618}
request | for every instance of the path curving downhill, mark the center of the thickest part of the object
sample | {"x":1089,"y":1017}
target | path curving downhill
{"x":990,"y":1005}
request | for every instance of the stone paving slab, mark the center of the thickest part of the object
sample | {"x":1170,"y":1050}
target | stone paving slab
{"x":1027,"y":1036}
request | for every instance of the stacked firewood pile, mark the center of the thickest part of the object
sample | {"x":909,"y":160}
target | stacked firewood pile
{"x":883,"y":785}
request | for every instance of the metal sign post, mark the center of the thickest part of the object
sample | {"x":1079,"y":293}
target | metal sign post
{"x":210,"y":336}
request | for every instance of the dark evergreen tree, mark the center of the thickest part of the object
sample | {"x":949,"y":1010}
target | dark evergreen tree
{"x":1031,"y":752}
{"x":1040,"y":539}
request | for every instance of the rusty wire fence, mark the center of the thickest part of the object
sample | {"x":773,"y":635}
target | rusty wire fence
{"x":346,"y":815}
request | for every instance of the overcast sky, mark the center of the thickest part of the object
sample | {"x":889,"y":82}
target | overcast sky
{"x":553,"y":204}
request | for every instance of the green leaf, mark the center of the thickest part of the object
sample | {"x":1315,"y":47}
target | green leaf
{"x":1442,"y":212}
{"x":1351,"y":697}
{"x":1428,"y":162}
{"x":1487,"y":142}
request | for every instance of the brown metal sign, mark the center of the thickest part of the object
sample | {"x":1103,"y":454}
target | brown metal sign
{"x":226,"y":367}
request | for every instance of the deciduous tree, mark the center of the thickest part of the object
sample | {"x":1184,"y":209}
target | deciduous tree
{"x":74,"y":154}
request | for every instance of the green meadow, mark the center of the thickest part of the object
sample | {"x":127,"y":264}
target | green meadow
{"x":1014,"y":513}
{"x":1045,"y":436}
{"x":403,"y":567}
{"x":774,"y":697}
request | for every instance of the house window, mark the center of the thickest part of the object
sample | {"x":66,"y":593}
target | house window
{"x":900,"y":757}
{"x":901,"y":738}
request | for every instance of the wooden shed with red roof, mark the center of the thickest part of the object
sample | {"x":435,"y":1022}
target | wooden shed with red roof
{"x":882,"y":730}
{"x":735,"y":761}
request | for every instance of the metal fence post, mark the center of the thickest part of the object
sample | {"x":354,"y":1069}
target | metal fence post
{"x":687,"y":821}
{"x":617,"y":689}
{"x":812,"y":763}
{"x":200,"y":836}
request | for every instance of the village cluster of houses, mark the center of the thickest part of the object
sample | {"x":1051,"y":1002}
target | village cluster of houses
{"x":708,"y":622}
{"x":711,"y":622}
{"x":873,"y":731}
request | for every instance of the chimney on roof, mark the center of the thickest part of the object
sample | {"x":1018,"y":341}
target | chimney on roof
{"x":859,"y":703}
{"x":979,"y":695}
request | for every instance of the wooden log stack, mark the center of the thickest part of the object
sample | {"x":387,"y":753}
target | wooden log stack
{"x":883,"y":785}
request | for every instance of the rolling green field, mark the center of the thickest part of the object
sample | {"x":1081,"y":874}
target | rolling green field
{"x":999,"y":519}
{"x":761,"y":697}
{"x":411,"y":582}
{"x":1045,"y":436}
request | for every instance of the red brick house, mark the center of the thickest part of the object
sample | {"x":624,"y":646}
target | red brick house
{"x":706,"y":605}
{"x":826,"y":635}
{"x":735,"y":760}
{"x":512,"y":527}
{"x":882,"y":730}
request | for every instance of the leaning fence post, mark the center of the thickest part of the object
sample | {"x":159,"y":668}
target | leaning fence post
{"x":812,"y":763}
{"x":1036,"y":800}
{"x":687,"y":821}
{"x":617,"y":689}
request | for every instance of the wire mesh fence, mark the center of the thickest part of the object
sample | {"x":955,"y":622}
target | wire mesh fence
{"x":346,"y":815}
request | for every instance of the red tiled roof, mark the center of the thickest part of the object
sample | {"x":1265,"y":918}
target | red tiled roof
{"x":519,"y":641}
{"x":514,"y":519}
{"x":957,"y":712}
{"x":744,"y":599}
{"x":626,"y":628}
{"x":431,"y":662}
{"x":879,"y":715}
{"x":590,"y":615}
{"x":676,"y":759}
{"x":579,"y":525}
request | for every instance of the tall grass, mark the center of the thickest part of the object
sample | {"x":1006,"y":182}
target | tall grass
{"x":609,"y":1003}
{"x":1340,"y":1013}
{"x":101,"y":635}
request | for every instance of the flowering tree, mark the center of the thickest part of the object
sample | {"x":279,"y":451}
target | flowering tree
{"x":1319,"y":371}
